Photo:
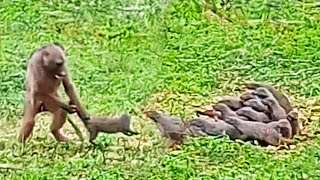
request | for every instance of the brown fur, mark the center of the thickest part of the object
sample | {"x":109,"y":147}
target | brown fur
{"x":293,"y":118}
{"x":257,"y":105}
{"x":211,"y":113}
{"x":280,"y":97}
{"x":207,"y":126}
{"x":45,"y":72}
{"x":109,"y":125}
{"x":170,"y":127}
{"x":233,"y":102}
{"x":247,"y":96}
{"x":283,"y":126}
{"x":253,"y":115}
{"x":262,"y":93}
{"x":256,"y":130}
{"x":277,"y":112}
{"x":226,"y":111}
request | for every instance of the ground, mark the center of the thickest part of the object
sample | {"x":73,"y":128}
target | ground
{"x":125,"y":56}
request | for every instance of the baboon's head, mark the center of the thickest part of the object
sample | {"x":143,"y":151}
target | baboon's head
{"x":53,"y":60}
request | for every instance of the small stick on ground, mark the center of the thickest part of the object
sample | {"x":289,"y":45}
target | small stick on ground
{"x":76,"y":128}
{"x":9,"y":166}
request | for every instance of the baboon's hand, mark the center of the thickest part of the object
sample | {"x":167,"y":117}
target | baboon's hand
{"x":71,"y":109}
{"x":85,"y":117}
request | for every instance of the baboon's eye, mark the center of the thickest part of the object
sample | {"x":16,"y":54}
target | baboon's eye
{"x":59,"y":62}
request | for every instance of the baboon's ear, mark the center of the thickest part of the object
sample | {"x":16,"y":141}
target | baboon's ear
{"x":45,"y":53}
{"x":45,"y":60}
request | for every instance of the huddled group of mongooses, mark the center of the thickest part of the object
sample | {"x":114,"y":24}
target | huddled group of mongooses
{"x":261,"y":113}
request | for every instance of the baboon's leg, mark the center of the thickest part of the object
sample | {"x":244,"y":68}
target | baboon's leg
{"x":59,"y":118}
{"x":28,"y":120}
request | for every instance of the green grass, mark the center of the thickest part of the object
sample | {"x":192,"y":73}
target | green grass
{"x":169,"y":57}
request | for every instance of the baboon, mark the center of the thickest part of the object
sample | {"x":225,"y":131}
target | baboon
{"x":226,"y":111}
{"x":46,"y":71}
{"x":277,"y":112}
{"x":109,"y":125}
{"x":247,"y":96}
{"x":252,"y":114}
{"x":280,"y":97}
{"x":207,"y":126}
{"x":293,"y":118}
{"x":257,"y":105}
{"x":257,"y":130}
{"x":170,"y":127}
{"x":233,"y":102}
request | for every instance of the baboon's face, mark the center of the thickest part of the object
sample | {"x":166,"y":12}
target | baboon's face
{"x":53,"y":61}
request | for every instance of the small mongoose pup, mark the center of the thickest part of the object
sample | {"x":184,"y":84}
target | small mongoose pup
{"x":171,"y":127}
